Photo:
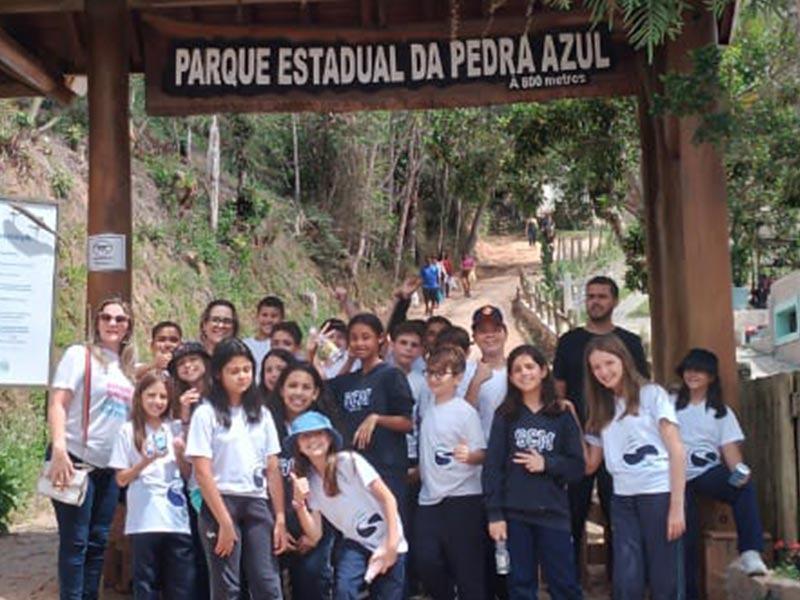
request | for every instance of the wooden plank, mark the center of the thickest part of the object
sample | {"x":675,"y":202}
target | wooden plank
{"x":14,"y":89}
{"x":40,"y":6}
{"x":157,"y":4}
{"x":29,"y":70}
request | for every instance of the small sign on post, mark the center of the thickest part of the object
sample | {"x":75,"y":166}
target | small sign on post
{"x":106,"y":252}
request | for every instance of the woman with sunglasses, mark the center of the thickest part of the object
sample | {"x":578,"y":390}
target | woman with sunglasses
{"x":83,"y":530}
{"x":219,"y":321}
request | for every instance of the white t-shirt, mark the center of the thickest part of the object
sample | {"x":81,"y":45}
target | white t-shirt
{"x":419,"y":391}
{"x":444,"y":426}
{"x":634,"y":452}
{"x":259,"y":348}
{"x":354,"y":511}
{"x":109,"y":403}
{"x":466,"y":378}
{"x":703,"y":435}
{"x":155,"y":499}
{"x":239,"y":453}
{"x":490,"y":396}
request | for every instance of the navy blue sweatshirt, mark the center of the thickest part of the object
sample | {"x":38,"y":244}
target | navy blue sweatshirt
{"x":513,"y":492}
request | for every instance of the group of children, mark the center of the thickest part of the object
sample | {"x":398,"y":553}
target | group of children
{"x":367,"y":464}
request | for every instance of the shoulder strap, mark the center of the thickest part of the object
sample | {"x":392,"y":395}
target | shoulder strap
{"x":87,"y":393}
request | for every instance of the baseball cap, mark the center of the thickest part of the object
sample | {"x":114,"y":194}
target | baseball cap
{"x":487,"y":313}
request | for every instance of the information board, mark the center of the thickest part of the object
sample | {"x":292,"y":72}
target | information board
{"x":27,"y":290}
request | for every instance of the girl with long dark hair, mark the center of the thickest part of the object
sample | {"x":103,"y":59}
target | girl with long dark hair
{"x":234,"y":450}
{"x":534,"y":451}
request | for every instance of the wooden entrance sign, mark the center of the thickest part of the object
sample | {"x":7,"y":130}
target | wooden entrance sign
{"x":195,"y":68}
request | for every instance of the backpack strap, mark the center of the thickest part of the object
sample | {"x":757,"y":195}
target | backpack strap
{"x":87,"y":393}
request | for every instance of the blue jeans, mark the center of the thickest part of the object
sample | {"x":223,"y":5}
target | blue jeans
{"x":529,"y":545}
{"x":351,"y":565}
{"x":311,"y":574}
{"x":642,"y":555}
{"x":163,"y":564}
{"x":82,"y":536}
{"x":714,"y":484}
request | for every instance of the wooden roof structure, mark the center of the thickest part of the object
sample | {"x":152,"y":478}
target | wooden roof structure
{"x":44,"y":43}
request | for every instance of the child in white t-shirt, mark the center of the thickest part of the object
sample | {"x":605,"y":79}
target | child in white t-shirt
{"x":345,"y":489}
{"x":633,"y":426}
{"x":234,"y":449}
{"x":450,"y":545}
{"x":712,"y":435}
{"x":149,"y":460}
{"x":269,"y":312}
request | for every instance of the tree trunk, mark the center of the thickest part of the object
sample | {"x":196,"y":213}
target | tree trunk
{"x":409,"y":195}
{"x":457,"y":242}
{"x":472,"y":238}
{"x":295,"y":160}
{"x":189,"y":144}
{"x":213,"y":166}
{"x":445,"y":211}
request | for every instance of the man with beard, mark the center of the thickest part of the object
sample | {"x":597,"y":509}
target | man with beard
{"x":602,"y":296}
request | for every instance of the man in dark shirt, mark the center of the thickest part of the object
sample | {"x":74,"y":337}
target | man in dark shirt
{"x":602,"y":296}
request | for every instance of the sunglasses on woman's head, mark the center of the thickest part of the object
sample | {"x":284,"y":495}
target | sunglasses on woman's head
{"x":107,"y":318}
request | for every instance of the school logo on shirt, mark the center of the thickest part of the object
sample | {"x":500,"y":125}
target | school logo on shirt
{"x":640,"y":454}
{"x":701,"y":459}
{"x":442,"y":456}
{"x":534,"y":439}
{"x":367,"y":525}
{"x":175,"y":494}
{"x":356,"y":400}
{"x":258,"y":477}
{"x":286,"y":465}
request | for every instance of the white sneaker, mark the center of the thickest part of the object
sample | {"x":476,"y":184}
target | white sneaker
{"x":751,"y":563}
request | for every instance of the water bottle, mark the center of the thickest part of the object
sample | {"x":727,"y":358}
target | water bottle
{"x":739,"y":475}
{"x":160,"y":441}
{"x":502,"y":559}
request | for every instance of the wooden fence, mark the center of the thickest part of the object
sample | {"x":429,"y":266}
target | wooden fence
{"x":549,"y":312}
{"x":580,"y":247}
{"x":769,"y":410}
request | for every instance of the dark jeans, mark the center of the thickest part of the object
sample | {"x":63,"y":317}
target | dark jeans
{"x":253,"y":523}
{"x":201,"y":587}
{"x":643,"y":558}
{"x":311,"y":574}
{"x":82,"y":536}
{"x":531,"y":545}
{"x":714,"y":484}
{"x":580,"y":499}
{"x":398,"y":484}
{"x":163,"y":564}
{"x":450,"y":550}
{"x":351,"y":565}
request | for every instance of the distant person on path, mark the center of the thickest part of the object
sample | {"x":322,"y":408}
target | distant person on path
{"x":467,"y":268}
{"x":712,"y":436}
{"x":89,"y":403}
{"x":448,"y":273}
{"x":430,"y":285}
{"x":531,"y":229}
{"x":602,"y":296}
{"x":218,"y":322}
{"x":269,"y":312}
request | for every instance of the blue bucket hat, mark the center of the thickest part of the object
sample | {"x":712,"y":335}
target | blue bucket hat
{"x":307,"y":422}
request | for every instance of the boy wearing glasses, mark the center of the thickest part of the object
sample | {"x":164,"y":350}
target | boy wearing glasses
{"x":450,"y":557}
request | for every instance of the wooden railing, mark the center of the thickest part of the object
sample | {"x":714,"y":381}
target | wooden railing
{"x":549,"y":312}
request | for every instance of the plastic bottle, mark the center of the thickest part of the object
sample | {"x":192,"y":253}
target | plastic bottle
{"x":502,"y":559}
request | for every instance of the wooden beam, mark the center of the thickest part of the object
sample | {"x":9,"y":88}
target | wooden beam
{"x":40,"y":6}
{"x":109,"y":210}
{"x":20,"y":64}
{"x":151,"y":4}
{"x":13,"y":89}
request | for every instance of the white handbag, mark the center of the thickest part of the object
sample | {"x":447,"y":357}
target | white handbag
{"x":73,"y":493}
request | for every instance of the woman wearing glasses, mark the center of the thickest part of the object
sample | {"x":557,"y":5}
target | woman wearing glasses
{"x":218,"y":322}
{"x":83,"y":428}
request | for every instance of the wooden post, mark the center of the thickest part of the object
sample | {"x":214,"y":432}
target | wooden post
{"x":687,"y":223}
{"x":109,"y":140}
